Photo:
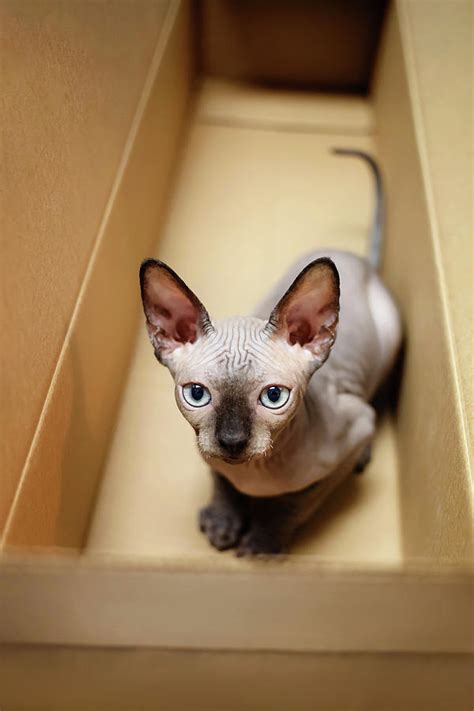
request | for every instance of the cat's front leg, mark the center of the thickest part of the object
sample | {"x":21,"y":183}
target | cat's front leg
{"x":224,"y":519}
{"x":275,"y":521}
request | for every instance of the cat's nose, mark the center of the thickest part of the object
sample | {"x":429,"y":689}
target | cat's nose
{"x":233,"y":443}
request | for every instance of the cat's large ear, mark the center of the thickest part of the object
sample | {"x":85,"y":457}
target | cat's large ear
{"x":308,"y":313}
{"x":174,"y":315}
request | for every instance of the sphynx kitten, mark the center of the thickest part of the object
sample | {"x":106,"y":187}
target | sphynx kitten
{"x":278,"y":430}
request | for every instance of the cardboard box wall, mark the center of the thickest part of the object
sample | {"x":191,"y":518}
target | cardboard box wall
{"x":71,"y":78}
{"x":55,"y":499}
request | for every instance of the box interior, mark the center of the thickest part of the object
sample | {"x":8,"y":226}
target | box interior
{"x":251,"y":195}
{"x":251,"y":185}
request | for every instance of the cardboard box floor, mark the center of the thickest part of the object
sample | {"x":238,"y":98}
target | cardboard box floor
{"x":257,"y":188}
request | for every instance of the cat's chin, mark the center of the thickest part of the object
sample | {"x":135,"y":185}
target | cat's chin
{"x":234,"y":460}
{"x":215,"y":459}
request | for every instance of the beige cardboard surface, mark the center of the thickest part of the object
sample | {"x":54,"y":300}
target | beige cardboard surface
{"x":298,"y":603}
{"x":292,"y":210}
{"x":247,"y":203}
{"x":433,"y":461}
{"x":71,"y":76}
{"x":440,"y":35}
{"x":152,"y":680}
{"x":318,"y":44}
{"x":54,"y":500}
{"x":364,"y":583}
{"x":243,"y":104}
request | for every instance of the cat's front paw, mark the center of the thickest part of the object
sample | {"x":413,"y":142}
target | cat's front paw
{"x":222,"y":526}
{"x":258,"y":541}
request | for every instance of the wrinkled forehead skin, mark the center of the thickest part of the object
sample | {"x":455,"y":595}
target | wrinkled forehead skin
{"x":241,"y":350}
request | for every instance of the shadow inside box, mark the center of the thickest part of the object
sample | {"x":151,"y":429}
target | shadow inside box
{"x":333,"y":512}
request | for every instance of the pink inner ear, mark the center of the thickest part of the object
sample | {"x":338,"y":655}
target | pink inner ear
{"x":308,"y":314}
{"x":301,"y":329}
{"x":298,"y":325}
{"x":171,"y":315}
{"x":186,"y":330}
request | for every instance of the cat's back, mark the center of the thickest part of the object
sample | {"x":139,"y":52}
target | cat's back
{"x":353,"y":271}
{"x":369,"y":331}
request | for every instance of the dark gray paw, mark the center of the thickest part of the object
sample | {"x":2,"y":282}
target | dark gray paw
{"x":258,"y":541}
{"x":222,"y":526}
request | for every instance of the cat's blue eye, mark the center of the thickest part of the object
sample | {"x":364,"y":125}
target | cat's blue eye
{"x":196,"y":395}
{"x":274,"y":396}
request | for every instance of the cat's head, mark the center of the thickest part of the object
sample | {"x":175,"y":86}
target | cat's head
{"x":240,"y":381}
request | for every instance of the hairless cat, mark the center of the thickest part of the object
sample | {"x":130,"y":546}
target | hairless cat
{"x":278,"y":430}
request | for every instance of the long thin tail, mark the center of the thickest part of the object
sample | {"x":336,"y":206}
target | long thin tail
{"x":377,"y":224}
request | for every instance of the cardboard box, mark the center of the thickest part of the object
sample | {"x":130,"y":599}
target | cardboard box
{"x":229,"y":180}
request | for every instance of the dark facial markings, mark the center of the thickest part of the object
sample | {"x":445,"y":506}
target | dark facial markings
{"x":233,"y":423}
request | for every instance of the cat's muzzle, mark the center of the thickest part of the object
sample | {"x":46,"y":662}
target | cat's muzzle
{"x":233,"y":446}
